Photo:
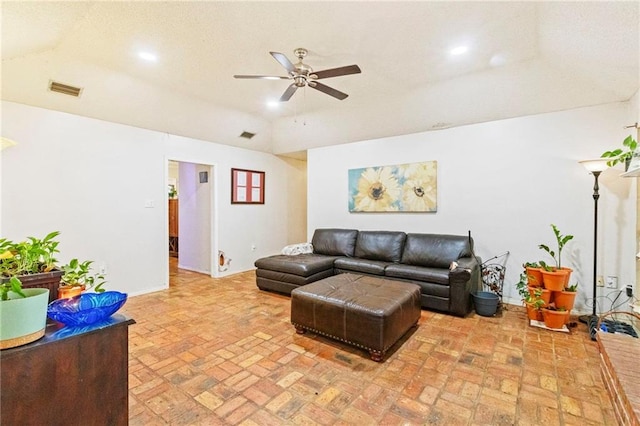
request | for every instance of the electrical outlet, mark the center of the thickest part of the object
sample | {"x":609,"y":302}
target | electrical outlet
{"x":600,"y":281}
{"x":612,"y":282}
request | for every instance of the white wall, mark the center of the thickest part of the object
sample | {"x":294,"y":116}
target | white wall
{"x":505,"y":181}
{"x":91,"y":179}
{"x":194,"y":219}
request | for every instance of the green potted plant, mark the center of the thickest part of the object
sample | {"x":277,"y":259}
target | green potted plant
{"x":32,"y":262}
{"x":77,"y":277}
{"x":173,"y":192}
{"x":534,"y":273}
{"x":531,"y":297}
{"x":566,"y":297}
{"x":555,"y":277}
{"x":622,"y":155}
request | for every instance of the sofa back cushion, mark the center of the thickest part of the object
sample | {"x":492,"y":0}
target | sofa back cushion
{"x":435,"y":250}
{"x":334,"y":242}
{"x":380,"y":245}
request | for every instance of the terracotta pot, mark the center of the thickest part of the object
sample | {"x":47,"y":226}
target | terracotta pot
{"x":568,"y":272}
{"x":555,"y":280}
{"x":564,"y":299}
{"x":67,"y":292}
{"x":555,"y":319}
{"x":533,"y":313}
{"x":534,"y":276}
{"x":546,"y":294}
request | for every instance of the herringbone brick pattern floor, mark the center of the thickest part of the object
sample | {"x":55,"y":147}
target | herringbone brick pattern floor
{"x":222,"y":352}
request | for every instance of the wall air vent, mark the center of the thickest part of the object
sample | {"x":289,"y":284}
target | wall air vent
{"x":65,"y":89}
{"x":247,"y":135}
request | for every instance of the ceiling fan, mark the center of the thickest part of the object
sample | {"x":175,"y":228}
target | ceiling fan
{"x":303,"y":75}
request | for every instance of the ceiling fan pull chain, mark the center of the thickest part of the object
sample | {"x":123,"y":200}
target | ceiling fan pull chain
{"x":295,"y":111}
{"x":304,"y":107}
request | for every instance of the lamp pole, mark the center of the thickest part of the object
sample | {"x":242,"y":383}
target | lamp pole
{"x":596,"y":195}
{"x":595,"y":167}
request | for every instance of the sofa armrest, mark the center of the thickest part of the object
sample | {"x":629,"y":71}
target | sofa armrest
{"x":463,"y":280}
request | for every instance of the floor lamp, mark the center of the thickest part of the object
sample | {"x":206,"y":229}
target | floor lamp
{"x":595,"y":167}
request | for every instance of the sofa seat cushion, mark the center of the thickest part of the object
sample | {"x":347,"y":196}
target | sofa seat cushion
{"x":303,"y":265}
{"x":434,"y":290}
{"x":418,"y":273}
{"x":292,"y":278}
{"x":385,"y":246}
{"x":365,"y":266}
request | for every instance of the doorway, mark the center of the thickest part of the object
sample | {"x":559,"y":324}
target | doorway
{"x":190,"y":217}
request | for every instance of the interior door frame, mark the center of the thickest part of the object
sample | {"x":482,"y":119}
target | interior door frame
{"x":213,"y":209}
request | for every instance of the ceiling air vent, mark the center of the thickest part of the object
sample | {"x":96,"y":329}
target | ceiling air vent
{"x":247,"y":135}
{"x":65,"y":89}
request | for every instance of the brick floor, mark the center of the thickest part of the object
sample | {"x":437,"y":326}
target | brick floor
{"x":221,"y":352}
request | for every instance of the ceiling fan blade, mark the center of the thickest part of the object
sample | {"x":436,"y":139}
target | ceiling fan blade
{"x":284,"y":61}
{"x":263,"y":77}
{"x":328,"y":90}
{"x":336,"y":72}
{"x":289,"y":92}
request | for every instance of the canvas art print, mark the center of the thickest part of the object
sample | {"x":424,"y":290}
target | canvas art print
{"x":401,"y":188}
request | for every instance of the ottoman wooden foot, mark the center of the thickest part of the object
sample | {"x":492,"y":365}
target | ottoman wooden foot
{"x":300,"y":330}
{"x":376,"y":356}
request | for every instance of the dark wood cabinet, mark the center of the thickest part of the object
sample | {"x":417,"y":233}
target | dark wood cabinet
{"x":173,"y":227}
{"x":72,"y":376}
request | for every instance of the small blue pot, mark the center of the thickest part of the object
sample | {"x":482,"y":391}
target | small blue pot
{"x":486,"y":303}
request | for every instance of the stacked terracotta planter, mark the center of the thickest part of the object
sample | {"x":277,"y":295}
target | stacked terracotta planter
{"x":554,"y":284}
{"x":534,"y":277}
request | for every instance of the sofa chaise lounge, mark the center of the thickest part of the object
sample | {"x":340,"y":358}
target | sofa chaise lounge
{"x":443,"y":266}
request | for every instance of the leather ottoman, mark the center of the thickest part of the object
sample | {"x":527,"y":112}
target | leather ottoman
{"x":369,"y":312}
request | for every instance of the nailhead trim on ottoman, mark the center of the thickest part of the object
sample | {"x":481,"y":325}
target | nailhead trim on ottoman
{"x":368,"y":312}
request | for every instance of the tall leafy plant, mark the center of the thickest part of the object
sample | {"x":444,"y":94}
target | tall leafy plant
{"x":561,"y":240}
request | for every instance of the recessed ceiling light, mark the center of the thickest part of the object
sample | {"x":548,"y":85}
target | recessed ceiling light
{"x":459,"y":50}
{"x":148,"y":56}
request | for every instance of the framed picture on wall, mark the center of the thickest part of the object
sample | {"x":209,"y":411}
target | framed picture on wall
{"x":247,"y":186}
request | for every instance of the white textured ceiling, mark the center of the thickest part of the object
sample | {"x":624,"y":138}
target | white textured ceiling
{"x":524,"y":58}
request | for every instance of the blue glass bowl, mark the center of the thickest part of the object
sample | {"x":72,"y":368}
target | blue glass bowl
{"x":88,"y":308}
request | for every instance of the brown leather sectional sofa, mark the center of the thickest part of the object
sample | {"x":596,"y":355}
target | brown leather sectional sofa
{"x":422,"y":259}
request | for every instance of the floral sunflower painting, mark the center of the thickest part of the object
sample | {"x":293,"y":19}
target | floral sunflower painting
{"x":402,"y":188}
